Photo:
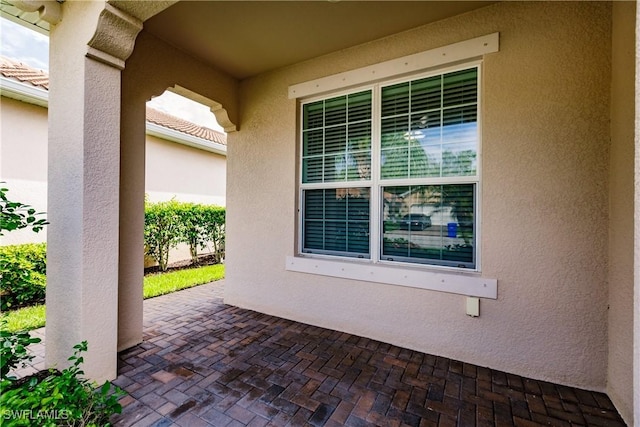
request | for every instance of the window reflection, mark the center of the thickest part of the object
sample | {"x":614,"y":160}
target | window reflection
{"x":429,"y":222}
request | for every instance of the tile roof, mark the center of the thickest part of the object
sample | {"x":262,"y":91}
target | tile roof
{"x":172,"y":122}
{"x":16,"y":70}
{"x":21,"y":72}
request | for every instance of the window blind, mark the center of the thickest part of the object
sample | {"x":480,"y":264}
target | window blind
{"x":337,"y":139}
{"x":426,"y":181}
{"x":337,"y":148}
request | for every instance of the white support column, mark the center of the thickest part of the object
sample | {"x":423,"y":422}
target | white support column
{"x":84,"y":187}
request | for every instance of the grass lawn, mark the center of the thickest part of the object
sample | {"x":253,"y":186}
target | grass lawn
{"x":165,"y":283}
{"x":28,"y":318}
{"x":25,"y":319}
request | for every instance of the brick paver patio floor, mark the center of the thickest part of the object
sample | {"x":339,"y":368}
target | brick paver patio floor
{"x":203,"y":363}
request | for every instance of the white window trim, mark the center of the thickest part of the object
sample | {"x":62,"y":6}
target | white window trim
{"x":430,"y":277}
{"x":462,"y":284}
{"x":419,"y":62}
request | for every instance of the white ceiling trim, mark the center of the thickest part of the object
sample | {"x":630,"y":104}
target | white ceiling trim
{"x":31,"y":20}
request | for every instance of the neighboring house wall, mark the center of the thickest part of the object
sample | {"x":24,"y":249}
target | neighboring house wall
{"x":544,"y":206}
{"x":195,"y":175}
{"x":173,"y":170}
{"x":23,"y":160}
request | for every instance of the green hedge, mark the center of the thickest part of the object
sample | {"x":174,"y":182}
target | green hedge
{"x":23,"y":268}
{"x":23,"y":271}
{"x":166,"y":224}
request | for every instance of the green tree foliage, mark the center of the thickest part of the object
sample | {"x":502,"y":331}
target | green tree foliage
{"x":16,"y":215}
{"x":404,"y":157}
{"x":62,"y":398}
{"x":49,"y":398}
{"x":458,"y":164}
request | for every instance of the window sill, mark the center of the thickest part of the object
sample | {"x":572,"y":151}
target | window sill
{"x":456,"y":283}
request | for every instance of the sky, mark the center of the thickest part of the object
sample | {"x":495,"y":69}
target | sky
{"x":32,"y":48}
{"x":186,"y":109}
{"x":23,"y":44}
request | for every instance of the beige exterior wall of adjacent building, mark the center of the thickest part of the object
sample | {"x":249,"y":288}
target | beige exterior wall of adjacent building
{"x":186,"y":173}
{"x":23,"y":160}
{"x":544,"y":202}
{"x":172,"y":170}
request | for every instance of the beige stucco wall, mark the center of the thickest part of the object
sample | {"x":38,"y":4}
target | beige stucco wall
{"x":23,"y":160}
{"x":196,"y":175}
{"x":621,"y":211}
{"x":544,"y":201}
{"x":636,"y":294}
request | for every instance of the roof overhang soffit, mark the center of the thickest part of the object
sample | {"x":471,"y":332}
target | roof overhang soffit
{"x":49,"y":11}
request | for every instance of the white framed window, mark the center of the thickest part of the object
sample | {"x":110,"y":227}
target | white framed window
{"x":335,"y":178}
{"x":390,"y":172}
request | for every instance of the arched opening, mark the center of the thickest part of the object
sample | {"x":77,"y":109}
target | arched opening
{"x":185,"y":173}
{"x":153,"y":68}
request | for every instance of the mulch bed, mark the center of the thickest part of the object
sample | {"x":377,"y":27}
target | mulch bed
{"x":182,"y":265}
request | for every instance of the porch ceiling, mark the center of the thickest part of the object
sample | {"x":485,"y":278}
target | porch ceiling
{"x":246,"y":38}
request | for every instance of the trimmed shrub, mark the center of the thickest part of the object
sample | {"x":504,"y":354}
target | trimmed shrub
{"x":203,"y":225}
{"x":192,"y":218}
{"x":215,"y":222}
{"x":169,"y":223}
{"x":163,"y":230}
{"x":23,"y":271}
